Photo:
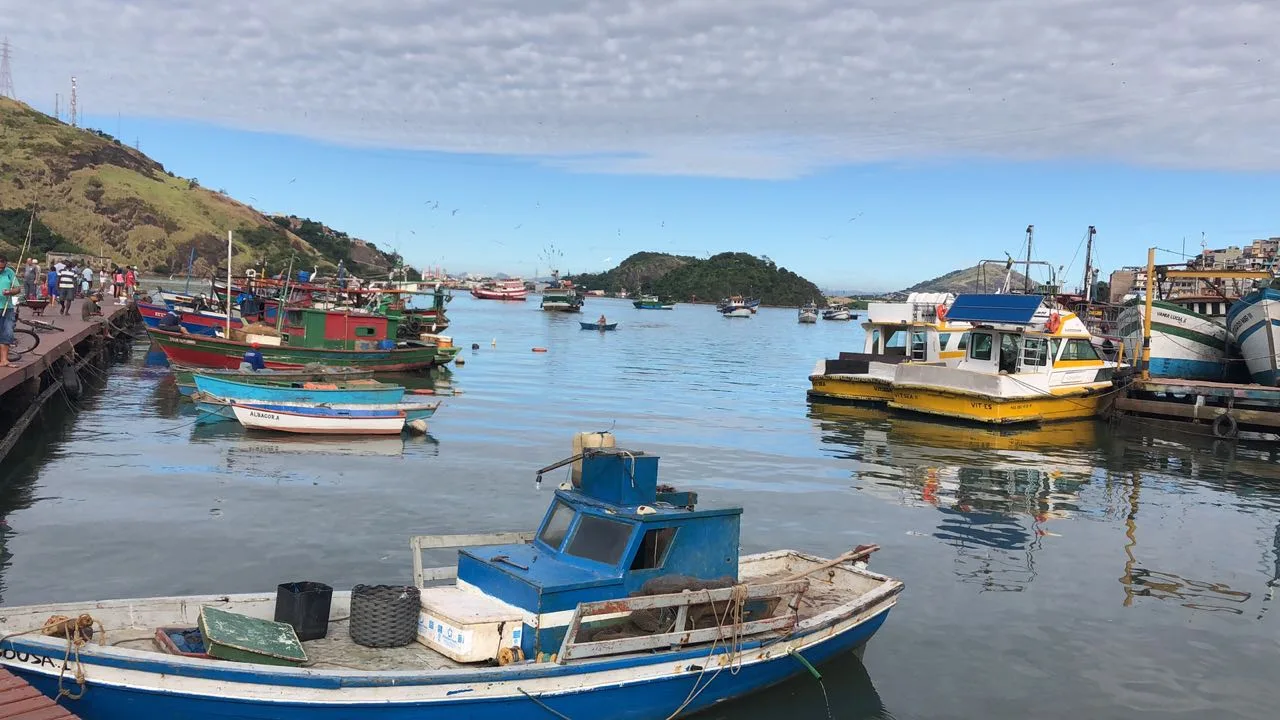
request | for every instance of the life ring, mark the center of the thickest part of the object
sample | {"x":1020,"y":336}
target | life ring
{"x":1054,"y":323}
{"x":1224,"y":426}
{"x":942,"y":312}
{"x":539,"y":349}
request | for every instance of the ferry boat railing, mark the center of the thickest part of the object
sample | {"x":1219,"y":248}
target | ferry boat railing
{"x":419,"y":543}
{"x":785,"y":615}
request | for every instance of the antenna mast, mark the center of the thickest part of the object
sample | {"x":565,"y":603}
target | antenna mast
{"x":1088,"y":266}
{"x":1026,"y":277}
{"x":6,"y":75}
{"x":73,"y":101}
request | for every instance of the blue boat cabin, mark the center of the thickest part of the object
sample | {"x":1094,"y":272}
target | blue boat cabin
{"x":605,"y":536}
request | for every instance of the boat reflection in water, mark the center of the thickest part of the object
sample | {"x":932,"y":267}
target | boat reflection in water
{"x":239,"y":443}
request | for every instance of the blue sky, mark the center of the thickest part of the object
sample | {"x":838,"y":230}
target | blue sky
{"x":696,"y":126}
{"x":877,"y":226}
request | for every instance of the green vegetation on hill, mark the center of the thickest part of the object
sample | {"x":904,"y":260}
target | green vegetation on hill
{"x":13,"y":233}
{"x":686,"y":278}
{"x":93,"y":194}
{"x":969,"y":280}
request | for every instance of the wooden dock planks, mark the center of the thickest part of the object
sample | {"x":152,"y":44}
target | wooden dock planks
{"x":54,"y":345}
{"x":20,"y":701}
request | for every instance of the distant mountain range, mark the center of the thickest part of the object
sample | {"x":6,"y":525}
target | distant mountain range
{"x":94,"y":195}
{"x":975,"y":279}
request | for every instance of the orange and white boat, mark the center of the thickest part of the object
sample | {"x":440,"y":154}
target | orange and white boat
{"x":501,"y":290}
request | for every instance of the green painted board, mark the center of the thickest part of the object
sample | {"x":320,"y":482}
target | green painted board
{"x":231,"y":636}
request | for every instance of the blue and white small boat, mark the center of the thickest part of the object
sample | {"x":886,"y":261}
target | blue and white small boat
{"x":222,"y":408}
{"x":628,"y":602}
{"x":1254,"y":324}
{"x":356,"y":392}
{"x":598,"y":326}
{"x":319,"y":420}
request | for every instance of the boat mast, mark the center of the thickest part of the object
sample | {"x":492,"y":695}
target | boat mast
{"x":1026,"y":277}
{"x":1088,"y":267}
{"x":228,"y":285}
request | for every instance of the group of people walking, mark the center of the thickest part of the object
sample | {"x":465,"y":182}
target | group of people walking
{"x":66,"y":282}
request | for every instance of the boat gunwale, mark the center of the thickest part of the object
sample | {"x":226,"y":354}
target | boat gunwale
{"x":869,"y":604}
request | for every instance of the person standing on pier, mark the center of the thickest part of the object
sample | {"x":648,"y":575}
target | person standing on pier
{"x":66,"y":289}
{"x":130,"y":282}
{"x":8,"y":313}
{"x":52,"y":284}
{"x":86,"y":285}
{"x":30,"y":279}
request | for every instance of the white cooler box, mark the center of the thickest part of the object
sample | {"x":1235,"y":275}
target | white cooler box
{"x":467,"y":625}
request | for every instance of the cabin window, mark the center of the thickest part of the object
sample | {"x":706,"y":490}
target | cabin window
{"x":980,"y":347}
{"x":557,"y":525}
{"x":1009,"y":346}
{"x":1079,"y":350}
{"x":365,"y":331}
{"x":943,"y":339}
{"x":653,"y":549}
{"x":964,"y":342}
{"x":599,"y":539}
{"x":876,"y":347}
{"x":1054,"y":345}
{"x":294,"y":318}
{"x":1035,"y":352}
{"x":919,"y":345}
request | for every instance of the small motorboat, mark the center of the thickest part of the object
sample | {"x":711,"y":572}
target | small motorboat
{"x":217,"y":407}
{"x":184,"y":376}
{"x":837,"y":312}
{"x":737,"y":312}
{"x":653,"y":302}
{"x":353,"y":391}
{"x":628,"y":596}
{"x":319,"y":420}
{"x":598,"y":326}
{"x":808,"y":313}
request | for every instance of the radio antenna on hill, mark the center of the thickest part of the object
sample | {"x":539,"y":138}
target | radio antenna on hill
{"x":6,"y":75}
{"x":73,"y":101}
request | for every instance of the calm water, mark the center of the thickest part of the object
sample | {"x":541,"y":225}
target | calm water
{"x":1062,"y":573}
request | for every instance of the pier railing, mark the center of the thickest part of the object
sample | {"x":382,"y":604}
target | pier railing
{"x":784,"y":616}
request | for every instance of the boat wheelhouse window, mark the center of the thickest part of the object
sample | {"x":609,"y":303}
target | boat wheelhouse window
{"x":1035,"y":351}
{"x":964,"y":342}
{"x":1009,"y":347}
{"x":895,"y":343}
{"x":365,"y":331}
{"x":653,"y":548}
{"x":294,"y":318}
{"x":1079,"y":350}
{"x":1054,"y":344}
{"x":599,"y":539}
{"x":876,"y":347}
{"x":919,"y":345}
{"x":980,"y":347}
{"x":557,"y":525}
{"x":943,"y":339}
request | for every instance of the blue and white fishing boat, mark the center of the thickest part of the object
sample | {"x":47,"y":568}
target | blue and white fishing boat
{"x":355,"y":392}
{"x":1184,"y":344}
{"x":221,"y":408}
{"x":628,"y":602}
{"x":1254,"y":324}
{"x":318,"y":420}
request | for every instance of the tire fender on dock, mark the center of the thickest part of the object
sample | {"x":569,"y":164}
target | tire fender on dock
{"x":1225,"y":426}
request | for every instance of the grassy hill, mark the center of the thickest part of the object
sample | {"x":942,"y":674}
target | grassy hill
{"x":93,"y":194}
{"x":968,"y":280}
{"x":686,"y":278}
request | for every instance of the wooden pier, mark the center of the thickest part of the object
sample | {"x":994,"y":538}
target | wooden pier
{"x":42,"y":372}
{"x":1222,"y":410}
{"x":20,"y":701}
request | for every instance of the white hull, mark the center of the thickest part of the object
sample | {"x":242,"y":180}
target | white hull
{"x":1184,"y":344}
{"x":738,"y":313}
{"x":1254,"y":324}
{"x":839,"y":315}
{"x":317,"y":424}
{"x":808,"y":318}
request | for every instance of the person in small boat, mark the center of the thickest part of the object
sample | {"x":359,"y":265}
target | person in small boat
{"x":252,"y":359}
{"x":602,"y":322}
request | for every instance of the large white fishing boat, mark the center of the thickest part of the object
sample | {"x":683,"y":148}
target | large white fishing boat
{"x":1254,"y":324}
{"x":1026,"y":361}
{"x":917,"y":330}
{"x":1184,"y":344}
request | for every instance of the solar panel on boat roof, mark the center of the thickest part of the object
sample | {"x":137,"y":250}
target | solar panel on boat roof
{"x":1013,"y":309}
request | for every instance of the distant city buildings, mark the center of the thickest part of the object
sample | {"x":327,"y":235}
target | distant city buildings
{"x":1260,"y":255}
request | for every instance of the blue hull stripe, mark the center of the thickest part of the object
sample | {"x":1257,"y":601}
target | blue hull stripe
{"x":643,"y":700}
{"x":1253,"y":329}
{"x":192,"y":328}
{"x":1267,"y":377}
{"x":1188,"y":369}
{"x":1250,"y":300}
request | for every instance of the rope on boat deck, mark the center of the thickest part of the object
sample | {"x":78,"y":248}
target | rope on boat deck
{"x":543,"y":705}
{"x":733,"y":611}
{"x":78,"y":632}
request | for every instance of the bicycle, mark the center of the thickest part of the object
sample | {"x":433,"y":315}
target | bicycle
{"x":25,"y":340}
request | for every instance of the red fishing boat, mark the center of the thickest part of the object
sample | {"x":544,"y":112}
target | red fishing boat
{"x":501,"y":290}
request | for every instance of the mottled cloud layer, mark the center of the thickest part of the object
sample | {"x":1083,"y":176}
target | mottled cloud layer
{"x":739,"y":88}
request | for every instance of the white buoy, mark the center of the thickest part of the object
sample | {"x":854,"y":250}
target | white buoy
{"x":418,"y":426}
{"x":493,"y":342}
{"x":459,"y":361}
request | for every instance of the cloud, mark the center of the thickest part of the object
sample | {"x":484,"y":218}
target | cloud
{"x":739,"y":88}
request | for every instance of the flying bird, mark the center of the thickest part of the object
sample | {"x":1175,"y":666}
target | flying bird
{"x":455,"y":211}
{"x":855,"y":217}
{"x":519,"y":226}
{"x":293,"y":181}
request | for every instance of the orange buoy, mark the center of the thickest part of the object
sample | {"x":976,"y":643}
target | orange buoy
{"x":539,"y":349}
{"x":1055,"y":322}
{"x":423,"y":391}
{"x":942,"y":312}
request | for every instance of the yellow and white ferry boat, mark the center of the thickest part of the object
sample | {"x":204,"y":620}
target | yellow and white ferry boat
{"x":917,"y":330}
{"x":1026,"y":360}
